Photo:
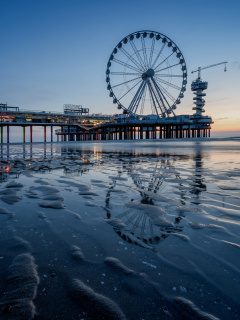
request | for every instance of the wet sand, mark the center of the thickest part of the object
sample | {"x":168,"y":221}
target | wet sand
{"x":116,"y":230}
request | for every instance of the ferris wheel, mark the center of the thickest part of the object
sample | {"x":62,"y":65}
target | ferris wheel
{"x":146,"y":74}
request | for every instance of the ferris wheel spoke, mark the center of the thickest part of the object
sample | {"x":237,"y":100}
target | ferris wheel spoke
{"x":135,"y":97}
{"x":167,"y":93}
{"x":129,"y":90}
{"x":137,"y":53}
{"x":170,"y":75}
{"x":136,"y":104}
{"x":132,"y":59}
{"x":151,"y":228}
{"x":169,"y":84}
{"x":151,"y":52}
{"x":136,"y":100}
{"x":126,"y":65}
{"x":152,"y":96}
{"x":125,"y":73}
{"x":120,"y":84}
{"x":167,"y":67}
{"x":143,"y":225}
{"x":144,"y":52}
{"x":158,"y":55}
{"x":161,"y":96}
{"x":151,"y":101}
{"x":164,"y":60}
{"x":143,"y":101}
{"x":160,"y":87}
{"x":162,"y":108}
{"x":159,"y":99}
{"x":137,"y":222}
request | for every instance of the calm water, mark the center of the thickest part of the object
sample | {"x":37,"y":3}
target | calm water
{"x":168,"y":211}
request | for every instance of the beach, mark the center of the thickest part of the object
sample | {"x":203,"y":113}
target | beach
{"x":120,"y":230}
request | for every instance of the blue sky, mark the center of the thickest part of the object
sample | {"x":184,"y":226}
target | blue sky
{"x":55,"y":52}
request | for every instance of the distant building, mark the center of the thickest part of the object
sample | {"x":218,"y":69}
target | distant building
{"x":75,"y":109}
{"x":4,"y":107}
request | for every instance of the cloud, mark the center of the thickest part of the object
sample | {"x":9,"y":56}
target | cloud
{"x":235,"y":65}
{"x":221,"y":119}
{"x":209,"y":101}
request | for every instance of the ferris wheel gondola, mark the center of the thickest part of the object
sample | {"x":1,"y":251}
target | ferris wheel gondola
{"x":146,"y":74}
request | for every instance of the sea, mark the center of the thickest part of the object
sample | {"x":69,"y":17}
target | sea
{"x":138,"y":230}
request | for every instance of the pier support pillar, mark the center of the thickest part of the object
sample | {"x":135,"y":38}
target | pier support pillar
{"x":45,"y":133}
{"x":1,"y":134}
{"x":147,"y":133}
{"x":24,"y":134}
{"x":51,"y":133}
{"x":181,"y":132}
{"x":131,"y":133}
{"x":7,"y":134}
{"x":176,"y":130}
{"x":62,"y":133}
{"x":154,"y":133}
{"x":141,"y":133}
{"x":168,"y":132}
{"x":125,"y":133}
{"x":31,"y":133}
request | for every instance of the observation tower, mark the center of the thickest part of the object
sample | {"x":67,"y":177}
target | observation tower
{"x":197,"y":87}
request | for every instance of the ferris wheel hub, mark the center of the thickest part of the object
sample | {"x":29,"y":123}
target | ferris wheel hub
{"x":148,"y":74}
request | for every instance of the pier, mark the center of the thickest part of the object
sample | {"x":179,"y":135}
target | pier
{"x":79,"y":125}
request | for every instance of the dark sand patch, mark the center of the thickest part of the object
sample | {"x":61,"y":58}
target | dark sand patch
{"x":40,"y":181}
{"x":17,"y":243}
{"x":116,"y":223}
{"x":118,"y":265}
{"x":77,"y":216}
{"x":197,"y":225}
{"x":14,"y":184}
{"x":53,"y":196}
{"x":58,"y":204}
{"x":31,"y":195}
{"x":231,"y":244}
{"x":41,"y":215}
{"x":97,"y":305}
{"x":76,"y":253}
{"x":22,"y":289}
{"x":191,"y":311}
{"x":5,"y":211}
{"x":10,"y":197}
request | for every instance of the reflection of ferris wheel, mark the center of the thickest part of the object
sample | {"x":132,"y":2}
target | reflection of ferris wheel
{"x":146,"y":73}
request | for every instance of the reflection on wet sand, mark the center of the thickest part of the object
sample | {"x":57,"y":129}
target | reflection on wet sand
{"x":95,"y":223}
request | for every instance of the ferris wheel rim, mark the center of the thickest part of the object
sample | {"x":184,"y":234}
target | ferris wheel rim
{"x":137,"y":68}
